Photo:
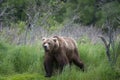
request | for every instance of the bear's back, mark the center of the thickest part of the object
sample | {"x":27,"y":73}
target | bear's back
{"x":69,"y":43}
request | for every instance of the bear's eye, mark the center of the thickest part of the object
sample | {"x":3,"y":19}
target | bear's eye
{"x":49,"y":43}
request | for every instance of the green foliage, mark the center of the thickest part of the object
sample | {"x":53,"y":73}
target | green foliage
{"x":102,"y":72}
{"x":60,"y":14}
{"x":4,"y":66}
{"x":20,"y":59}
{"x":85,"y":12}
{"x":25,"y":62}
{"x":20,"y":25}
{"x":26,"y":76}
{"x":109,"y":11}
{"x":3,"y":50}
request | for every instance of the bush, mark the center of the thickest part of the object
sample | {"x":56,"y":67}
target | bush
{"x":21,"y":59}
{"x":25,"y":62}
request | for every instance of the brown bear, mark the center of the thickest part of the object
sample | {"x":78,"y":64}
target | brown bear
{"x":62,"y":50}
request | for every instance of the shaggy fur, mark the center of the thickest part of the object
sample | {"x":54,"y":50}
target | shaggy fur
{"x":63,"y":51}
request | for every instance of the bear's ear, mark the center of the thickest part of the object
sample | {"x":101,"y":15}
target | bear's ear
{"x":43,"y":39}
{"x":54,"y":39}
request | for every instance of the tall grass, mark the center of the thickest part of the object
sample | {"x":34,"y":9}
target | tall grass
{"x":25,"y":62}
{"x":19,"y":59}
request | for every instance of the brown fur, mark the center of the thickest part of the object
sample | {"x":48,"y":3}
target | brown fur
{"x":63,"y":50}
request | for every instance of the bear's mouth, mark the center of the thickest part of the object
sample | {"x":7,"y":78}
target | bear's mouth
{"x":46,"y":50}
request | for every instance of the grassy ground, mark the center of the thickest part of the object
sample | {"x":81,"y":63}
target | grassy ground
{"x":25,"y":62}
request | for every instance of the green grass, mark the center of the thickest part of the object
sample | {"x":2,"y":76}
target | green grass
{"x":24,"y":76}
{"x":25,"y":62}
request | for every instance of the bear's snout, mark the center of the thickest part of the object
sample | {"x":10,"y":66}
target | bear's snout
{"x":46,"y":47}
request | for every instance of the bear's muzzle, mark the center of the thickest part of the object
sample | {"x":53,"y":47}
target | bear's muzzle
{"x":46,"y":48}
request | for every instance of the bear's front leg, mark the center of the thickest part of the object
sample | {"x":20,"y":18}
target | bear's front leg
{"x":61,"y":60}
{"x":48,"y":65}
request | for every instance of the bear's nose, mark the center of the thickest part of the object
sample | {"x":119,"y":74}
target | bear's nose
{"x":45,"y":46}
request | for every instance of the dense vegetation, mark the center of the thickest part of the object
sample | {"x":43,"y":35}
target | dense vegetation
{"x":26,"y":63}
{"x":49,"y":13}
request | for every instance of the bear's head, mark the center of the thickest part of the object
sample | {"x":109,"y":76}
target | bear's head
{"x":50,"y":44}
